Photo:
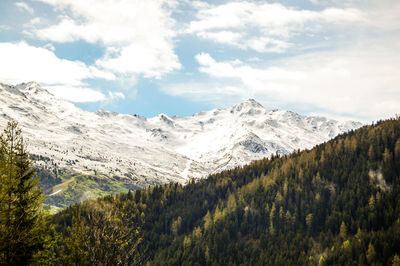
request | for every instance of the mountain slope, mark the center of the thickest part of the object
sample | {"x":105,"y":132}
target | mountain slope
{"x":337,"y":204}
{"x":135,"y":151}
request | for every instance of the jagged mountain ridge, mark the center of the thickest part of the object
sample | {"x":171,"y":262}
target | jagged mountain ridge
{"x":161,"y":149}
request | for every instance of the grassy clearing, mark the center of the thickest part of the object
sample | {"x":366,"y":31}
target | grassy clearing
{"x":77,"y":187}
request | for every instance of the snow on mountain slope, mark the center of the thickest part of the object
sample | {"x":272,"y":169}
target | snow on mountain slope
{"x":161,"y":149}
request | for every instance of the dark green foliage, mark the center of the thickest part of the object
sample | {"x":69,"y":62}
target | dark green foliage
{"x":48,"y":179}
{"x":337,"y":204}
{"x":96,"y":232}
{"x":76,"y":242}
{"x":23,"y":222}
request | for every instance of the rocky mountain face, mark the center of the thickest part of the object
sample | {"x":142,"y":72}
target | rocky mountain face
{"x":140,"y":151}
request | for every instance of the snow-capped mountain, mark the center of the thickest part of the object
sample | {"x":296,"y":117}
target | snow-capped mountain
{"x":161,"y":149}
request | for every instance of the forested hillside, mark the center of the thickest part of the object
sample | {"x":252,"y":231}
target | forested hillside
{"x":338,"y":203}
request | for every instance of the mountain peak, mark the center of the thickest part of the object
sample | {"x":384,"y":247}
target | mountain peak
{"x":246,"y":106}
{"x":31,"y":87}
{"x":32,"y":84}
{"x":253,"y":103}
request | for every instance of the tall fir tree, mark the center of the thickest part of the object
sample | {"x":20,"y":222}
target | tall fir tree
{"x":22,"y":219}
{"x":77,"y":242}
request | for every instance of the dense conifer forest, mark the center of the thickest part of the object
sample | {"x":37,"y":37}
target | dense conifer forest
{"x":336,"y":204}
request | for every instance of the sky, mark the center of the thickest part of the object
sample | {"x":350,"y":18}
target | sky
{"x":336,"y":58}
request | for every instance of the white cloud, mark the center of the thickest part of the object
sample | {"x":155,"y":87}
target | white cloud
{"x":140,"y":32}
{"x":49,"y":46}
{"x":221,"y":36}
{"x":22,"y":62}
{"x":263,"y":45}
{"x":358,"y":79}
{"x":268,"y":17}
{"x":34,"y":21}
{"x":25,"y":7}
{"x":116,"y":95}
{"x":362,"y":81}
{"x":384,"y":15}
{"x":240,"y":40}
{"x":76,"y":94}
{"x":149,"y":60}
{"x":205,"y":59}
{"x":244,"y":73}
{"x":208,"y":92}
{"x":265,"y":27}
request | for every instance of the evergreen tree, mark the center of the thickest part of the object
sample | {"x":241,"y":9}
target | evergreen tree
{"x":22,"y":219}
{"x":371,"y":253}
{"x":396,"y":260}
{"x":76,"y":242}
{"x":101,"y":235}
{"x":343,"y":230}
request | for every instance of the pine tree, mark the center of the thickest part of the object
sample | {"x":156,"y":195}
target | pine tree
{"x":343,"y":230}
{"x":371,"y":253}
{"x":101,"y":235}
{"x":309,"y":221}
{"x":397,"y":149}
{"x":22,"y":218}
{"x":76,"y":242}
